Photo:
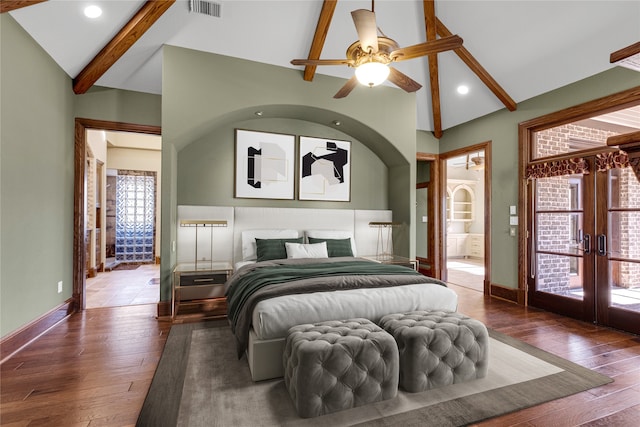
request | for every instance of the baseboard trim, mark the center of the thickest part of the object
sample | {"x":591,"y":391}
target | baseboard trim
{"x":19,"y":339}
{"x":164,"y":310}
{"x":504,"y":293}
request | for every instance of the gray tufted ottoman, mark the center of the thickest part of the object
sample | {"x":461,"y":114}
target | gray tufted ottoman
{"x":336,"y":365}
{"x":438,"y":348}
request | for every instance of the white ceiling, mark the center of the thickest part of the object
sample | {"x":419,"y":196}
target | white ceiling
{"x":529,"y":47}
{"x":133,"y":140}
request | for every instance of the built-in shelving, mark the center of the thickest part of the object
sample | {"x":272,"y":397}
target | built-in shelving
{"x":460,"y":196}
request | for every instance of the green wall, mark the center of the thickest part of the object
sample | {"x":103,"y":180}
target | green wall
{"x":501,"y":128}
{"x":206,"y":96}
{"x":100,"y":103}
{"x":206,"y":168}
{"x":202,"y":90}
{"x":426,"y":142}
{"x":36,"y":134}
{"x":169,"y":216}
{"x":37,"y":113}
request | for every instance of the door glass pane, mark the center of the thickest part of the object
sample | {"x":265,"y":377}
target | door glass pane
{"x":559,"y":232}
{"x":560,"y":275}
{"x":624,"y":189}
{"x":577,"y":136}
{"x":624,"y":285}
{"x":624,"y":235}
{"x":558,"y":225}
{"x":559,"y":193}
{"x":624,"y":240}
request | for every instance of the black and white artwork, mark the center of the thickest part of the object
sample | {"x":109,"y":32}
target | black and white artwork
{"x":264,"y":165}
{"x":325,"y":169}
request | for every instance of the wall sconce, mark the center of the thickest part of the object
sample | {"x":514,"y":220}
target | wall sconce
{"x":203,"y":223}
{"x":384,"y":246}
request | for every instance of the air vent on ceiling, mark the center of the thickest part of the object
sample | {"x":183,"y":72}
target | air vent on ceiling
{"x":205,"y":7}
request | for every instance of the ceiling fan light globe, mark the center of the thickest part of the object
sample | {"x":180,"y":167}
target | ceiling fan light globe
{"x":372,"y":73}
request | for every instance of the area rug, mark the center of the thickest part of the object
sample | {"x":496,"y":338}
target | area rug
{"x":200,"y":382}
{"x":126,"y":266}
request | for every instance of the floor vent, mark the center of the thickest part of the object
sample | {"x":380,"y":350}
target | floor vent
{"x":205,"y":7}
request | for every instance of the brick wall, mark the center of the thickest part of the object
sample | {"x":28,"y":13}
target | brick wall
{"x":553,"y":230}
{"x":559,"y":140}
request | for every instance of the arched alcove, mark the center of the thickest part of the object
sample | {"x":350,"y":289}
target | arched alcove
{"x":205,"y":168}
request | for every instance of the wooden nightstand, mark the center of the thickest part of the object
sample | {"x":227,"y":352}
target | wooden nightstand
{"x":198,"y":291}
{"x":394,"y":259}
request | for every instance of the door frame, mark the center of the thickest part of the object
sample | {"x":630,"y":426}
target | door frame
{"x":526,"y":131}
{"x":595,"y":305}
{"x":79,"y":185}
{"x":442,"y":205}
{"x":433,"y":222}
{"x":583,"y":308}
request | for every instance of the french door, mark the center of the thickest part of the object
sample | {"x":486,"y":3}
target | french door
{"x":584,"y":246}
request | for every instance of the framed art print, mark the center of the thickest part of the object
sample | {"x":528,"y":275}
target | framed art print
{"x":325,"y":169}
{"x":264,"y":165}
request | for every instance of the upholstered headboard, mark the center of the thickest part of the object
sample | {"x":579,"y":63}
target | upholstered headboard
{"x":228,"y":241}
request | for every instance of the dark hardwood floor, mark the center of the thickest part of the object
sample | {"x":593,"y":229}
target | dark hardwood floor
{"x":95,"y":368}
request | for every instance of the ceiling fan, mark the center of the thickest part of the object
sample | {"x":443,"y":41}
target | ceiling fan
{"x":472,"y":163}
{"x":372,"y":54}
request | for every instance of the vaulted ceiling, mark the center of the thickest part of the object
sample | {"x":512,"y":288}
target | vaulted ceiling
{"x":511,"y":51}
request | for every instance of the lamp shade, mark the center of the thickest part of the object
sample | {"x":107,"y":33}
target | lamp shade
{"x":372,"y":73}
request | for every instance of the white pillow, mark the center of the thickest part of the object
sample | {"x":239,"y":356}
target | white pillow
{"x":249,"y":240}
{"x":333,"y":234}
{"x":309,"y":250}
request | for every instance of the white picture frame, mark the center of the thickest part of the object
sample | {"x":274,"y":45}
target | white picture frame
{"x":264,"y":165}
{"x":324,"y":169}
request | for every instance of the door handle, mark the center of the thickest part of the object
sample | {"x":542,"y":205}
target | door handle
{"x":602,"y":245}
{"x":586,"y":244}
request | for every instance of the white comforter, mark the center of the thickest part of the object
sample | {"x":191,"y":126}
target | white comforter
{"x":272,"y":318}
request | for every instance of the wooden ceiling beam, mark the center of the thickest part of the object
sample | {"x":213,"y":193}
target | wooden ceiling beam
{"x":625,"y":138}
{"x":324,"y":21}
{"x":434,"y":81}
{"x":478,"y":69}
{"x":148,"y":14}
{"x":624,"y":53}
{"x":9,"y":5}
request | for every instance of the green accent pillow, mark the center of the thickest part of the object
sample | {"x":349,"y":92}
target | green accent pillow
{"x":335,"y":247}
{"x":267,"y":249}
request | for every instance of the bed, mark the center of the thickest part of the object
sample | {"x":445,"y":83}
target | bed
{"x":352,"y":287}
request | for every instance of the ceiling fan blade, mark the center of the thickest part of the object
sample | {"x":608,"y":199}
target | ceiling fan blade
{"x":403,"y":81}
{"x":347,"y":88}
{"x":426,"y":48}
{"x":321,"y":62}
{"x":365,"y":22}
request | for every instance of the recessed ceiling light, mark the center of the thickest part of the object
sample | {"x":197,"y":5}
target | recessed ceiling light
{"x":337,"y":122}
{"x":258,"y":113}
{"x":463,"y":90}
{"x":92,"y":11}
